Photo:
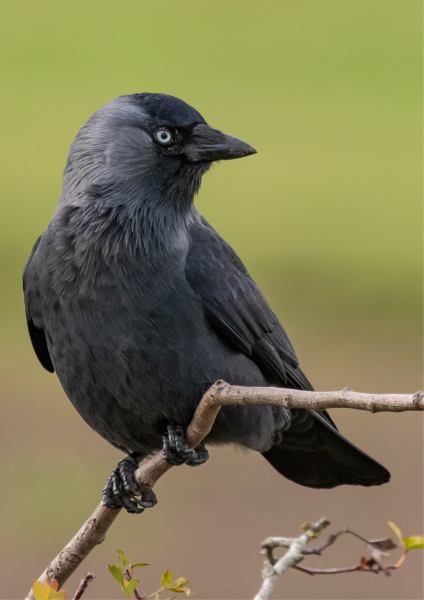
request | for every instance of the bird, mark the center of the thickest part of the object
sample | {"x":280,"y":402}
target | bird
{"x":139,"y":306}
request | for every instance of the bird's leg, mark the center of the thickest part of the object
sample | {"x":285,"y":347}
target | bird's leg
{"x":176,"y":450}
{"x":121,"y":488}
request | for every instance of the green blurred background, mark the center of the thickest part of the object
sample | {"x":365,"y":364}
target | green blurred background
{"x":328,"y":219}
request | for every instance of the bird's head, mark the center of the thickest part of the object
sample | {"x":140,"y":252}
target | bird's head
{"x":155,"y":141}
{"x":178,"y":131}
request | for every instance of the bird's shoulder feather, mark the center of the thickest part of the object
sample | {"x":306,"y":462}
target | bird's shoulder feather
{"x":237,"y":308}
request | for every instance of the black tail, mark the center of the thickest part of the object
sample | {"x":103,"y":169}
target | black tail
{"x":313,"y":453}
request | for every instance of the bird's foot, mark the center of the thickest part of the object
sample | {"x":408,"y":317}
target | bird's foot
{"x":121,"y":489}
{"x":176,"y":450}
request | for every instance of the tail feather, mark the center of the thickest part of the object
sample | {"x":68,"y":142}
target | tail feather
{"x":313,"y":453}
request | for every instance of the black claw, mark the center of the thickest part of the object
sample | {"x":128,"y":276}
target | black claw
{"x":176,"y":450}
{"x":121,"y":489}
{"x":197,"y":456}
{"x":148,"y":499}
{"x":130,"y":506}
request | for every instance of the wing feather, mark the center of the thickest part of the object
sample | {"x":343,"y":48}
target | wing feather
{"x":236,"y":307}
{"x":37,"y":334}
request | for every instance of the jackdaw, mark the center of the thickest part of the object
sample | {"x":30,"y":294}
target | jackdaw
{"x":139,"y":306}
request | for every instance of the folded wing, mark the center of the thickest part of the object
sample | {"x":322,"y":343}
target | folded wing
{"x":311,"y":452}
{"x":237,"y":308}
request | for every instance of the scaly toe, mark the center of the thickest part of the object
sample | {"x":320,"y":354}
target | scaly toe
{"x":121,"y":489}
{"x":176,"y":450}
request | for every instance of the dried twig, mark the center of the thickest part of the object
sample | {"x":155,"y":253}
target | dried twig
{"x":220,"y":394}
{"x":83,"y":586}
{"x":330,"y":541}
{"x":364,"y":568}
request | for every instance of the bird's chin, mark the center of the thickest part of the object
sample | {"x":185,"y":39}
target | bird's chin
{"x":197,"y":169}
{"x":203,"y":166}
{"x":188,"y":178}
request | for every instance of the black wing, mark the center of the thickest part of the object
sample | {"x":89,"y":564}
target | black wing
{"x":39,"y":343}
{"x":311,"y":452}
{"x":237,"y":308}
{"x":37,"y":335}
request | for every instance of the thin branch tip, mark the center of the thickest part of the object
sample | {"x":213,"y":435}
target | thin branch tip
{"x":87,"y":579}
{"x":418,"y":398}
{"x":315,"y":529}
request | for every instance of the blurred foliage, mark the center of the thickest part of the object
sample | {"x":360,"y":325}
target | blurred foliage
{"x":123,"y":573}
{"x":328,"y":92}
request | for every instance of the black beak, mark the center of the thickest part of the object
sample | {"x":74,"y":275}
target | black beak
{"x":207,"y":144}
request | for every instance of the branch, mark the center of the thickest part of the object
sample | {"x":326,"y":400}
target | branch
{"x":271,"y":543}
{"x":335,"y":571}
{"x":83,"y":586}
{"x":297,"y":551}
{"x":93,"y":532}
{"x":274,"y":569}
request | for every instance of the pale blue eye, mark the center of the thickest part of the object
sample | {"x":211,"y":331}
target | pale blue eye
{"x":163,"y":136}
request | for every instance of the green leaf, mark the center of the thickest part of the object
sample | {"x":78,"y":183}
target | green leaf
{"x":124,"y":563}
{"x":116,"y":573}
{"x":179,"y":582}
{"x":124,"y":587}
{"x":186,"y":590}
{"x":139,"y":565}
{"x":166,"y":579}
{"x":414,"y":542}
{"x":130,"y":586}
{"x":398,"y":533}
{"x":179,"y":585}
